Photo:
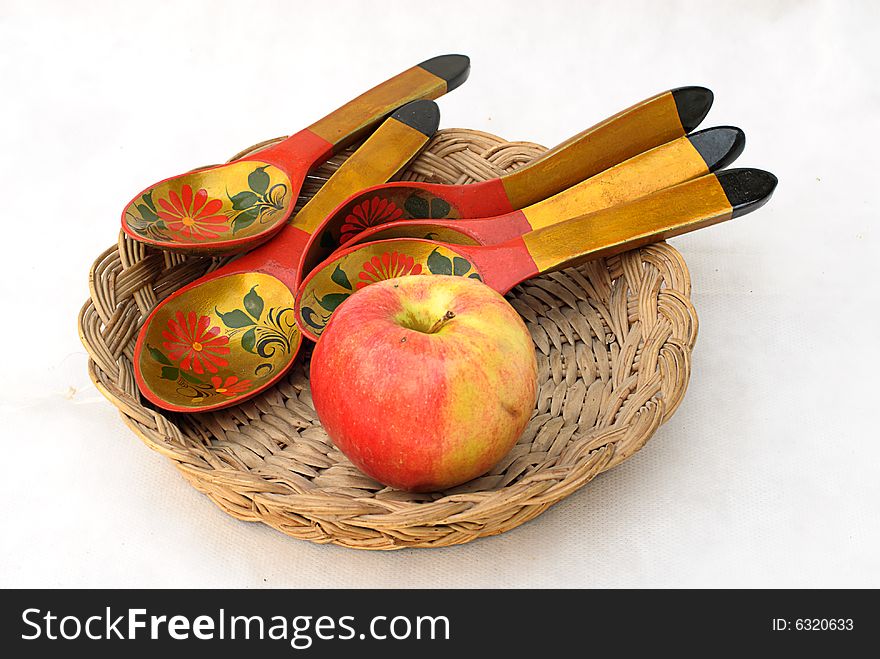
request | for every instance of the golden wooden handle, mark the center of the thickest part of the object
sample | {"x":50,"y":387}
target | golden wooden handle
{"x":662,"y":167}
{"x":686,"y":207}
{"x":430,"y":79}
{"x":394,"y":144}
{"x":652,"y":122}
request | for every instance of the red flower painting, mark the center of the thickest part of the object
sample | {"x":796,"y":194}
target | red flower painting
{"x":388,"y":266}
{"x":366,"y":214}
{"x":232,"y":386}
{"x":197,"y":345}
{"x":192,"y":216}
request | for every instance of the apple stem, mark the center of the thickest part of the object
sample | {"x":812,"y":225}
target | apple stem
{"x":449,"y":315}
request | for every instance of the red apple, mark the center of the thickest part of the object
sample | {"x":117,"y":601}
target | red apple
{"x":424,"y":382}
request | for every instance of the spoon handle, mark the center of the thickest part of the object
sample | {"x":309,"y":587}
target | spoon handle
{"x":671,"y":212}
{"x":388,"y":150}
{"x":383,"y":155}
{"x":430,"y":79}
{"x":662,"y":167}
{"x":643,"y":126}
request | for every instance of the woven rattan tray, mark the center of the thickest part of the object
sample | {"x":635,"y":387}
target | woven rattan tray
{"x":613,"y":339}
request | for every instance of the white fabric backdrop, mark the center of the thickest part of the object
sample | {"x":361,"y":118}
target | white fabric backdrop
{"x":767,"y":475}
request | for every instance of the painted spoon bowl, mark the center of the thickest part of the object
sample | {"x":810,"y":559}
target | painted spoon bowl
{"x":650,"y":123}
{"x":698,"y":203}
{"x":662,"y":167}
{"x":234,"y":207}
{"x":231,"y":333}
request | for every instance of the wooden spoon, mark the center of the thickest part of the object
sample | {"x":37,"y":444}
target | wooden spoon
{"x":685,"y":207}
{"x":662,"y":167}
{"x":234,"y":207}
{"x":654,"y":121}
{"x":231,"y":333}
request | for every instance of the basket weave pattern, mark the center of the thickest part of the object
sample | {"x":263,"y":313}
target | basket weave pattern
{"x":613,"y":339}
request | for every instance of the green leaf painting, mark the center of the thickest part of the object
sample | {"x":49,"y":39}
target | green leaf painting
{"x":170,"y":373}
{"x":190,"y":378}
{"x":148,"y":200}
{"x":147,"y":213}
{"x":235,"y":318}
{"x":421,"y":209}
{"x":332,"y":300}
{"x":261,"y":202}
{"x":439,"y":208}
{"x":258,"y":180}
{"x":253,"y":303}
{"x":460,"y":266}
{"x":146,"y":221}
{"x":244,"y":200}
{"x":416,"y":207}
{"x":158,"y":355}
{"x":244,"y":219}
{"x":341,"y":278}
{"x":249,"y":340}
{"x":439,"y":264}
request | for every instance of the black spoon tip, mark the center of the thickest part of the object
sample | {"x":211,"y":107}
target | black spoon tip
{"x":454,"y":69}
{"x":693,"y":104}
{"x":719,"y":146}
{"x":747,"y":189}
{"x":422,"y":115}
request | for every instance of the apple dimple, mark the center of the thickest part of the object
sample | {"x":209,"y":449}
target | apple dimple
{"x":424,"y":322}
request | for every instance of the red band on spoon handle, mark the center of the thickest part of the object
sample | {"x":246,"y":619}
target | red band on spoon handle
{"x":298,"y":153}
{"x":505,"y":265}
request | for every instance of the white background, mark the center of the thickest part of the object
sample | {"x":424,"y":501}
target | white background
{"x":767,"y":475}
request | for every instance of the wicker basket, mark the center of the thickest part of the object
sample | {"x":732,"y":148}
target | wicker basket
{"x":613,"y":338}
